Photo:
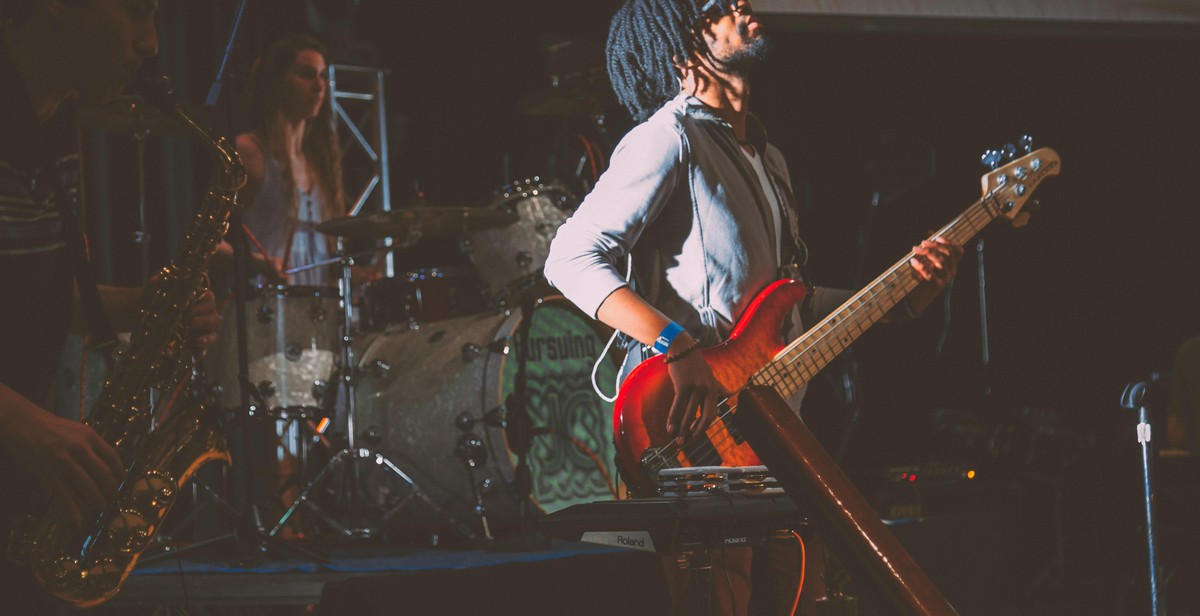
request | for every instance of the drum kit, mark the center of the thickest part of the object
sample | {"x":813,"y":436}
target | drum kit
{"x":415,"y":371}
{"x":417,"y":368}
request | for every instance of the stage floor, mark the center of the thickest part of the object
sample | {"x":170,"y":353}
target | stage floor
{"x":207,"y":577}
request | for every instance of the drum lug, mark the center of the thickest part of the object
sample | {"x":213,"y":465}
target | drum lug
{"x":319,"y":389}
{"x":470,"y":351}
{"x":372,"y":435}
{"x":471,"y":450}
{"x":380,"y":368}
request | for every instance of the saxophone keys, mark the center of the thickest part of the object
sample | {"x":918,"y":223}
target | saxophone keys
{"x":102,"y":572}
{"x":129,"y":532}
{"x":65,"y":576}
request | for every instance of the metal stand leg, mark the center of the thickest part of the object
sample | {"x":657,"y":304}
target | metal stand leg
{"x":356,"y":460}
{"x":472,"y":452}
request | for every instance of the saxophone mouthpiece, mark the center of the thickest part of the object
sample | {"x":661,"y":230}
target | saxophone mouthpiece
{"x":156,"y":89}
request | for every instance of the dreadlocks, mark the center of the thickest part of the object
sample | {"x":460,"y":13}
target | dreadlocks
{"x":646,"y":40}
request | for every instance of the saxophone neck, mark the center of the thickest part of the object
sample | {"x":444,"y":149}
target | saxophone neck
{"x":233,"y":175}
{"x":157,"y":91}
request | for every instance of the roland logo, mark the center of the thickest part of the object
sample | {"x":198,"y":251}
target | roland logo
{"x":631,"y":541}
{"x":736,"y":540}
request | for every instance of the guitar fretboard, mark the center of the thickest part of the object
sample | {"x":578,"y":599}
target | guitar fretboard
{"x":801,"y":360}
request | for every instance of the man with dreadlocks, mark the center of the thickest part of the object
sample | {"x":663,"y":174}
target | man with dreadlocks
{"x":700,"y":203}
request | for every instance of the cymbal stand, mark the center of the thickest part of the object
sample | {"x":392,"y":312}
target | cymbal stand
{"x":355,"y":460}
{"x":249,"y":538}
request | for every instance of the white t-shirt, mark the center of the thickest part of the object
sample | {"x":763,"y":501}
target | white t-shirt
{"x":756,"y":161}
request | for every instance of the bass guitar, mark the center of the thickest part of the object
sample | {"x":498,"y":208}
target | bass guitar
{"x":755,"y":352}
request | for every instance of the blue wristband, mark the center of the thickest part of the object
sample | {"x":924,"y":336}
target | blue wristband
{"x":667,"y":336}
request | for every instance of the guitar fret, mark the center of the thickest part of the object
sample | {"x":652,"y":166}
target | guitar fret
{"x":807,"y":356}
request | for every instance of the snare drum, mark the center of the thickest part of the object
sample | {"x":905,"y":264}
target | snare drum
{"x":422,"y":392}
{"x":511,"y":258}
{"x":291,"y":345}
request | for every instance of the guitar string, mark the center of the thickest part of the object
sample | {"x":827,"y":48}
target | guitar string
{"x":968,"y":219}
{"x":866,"y":302}
{"x":780,"y":379}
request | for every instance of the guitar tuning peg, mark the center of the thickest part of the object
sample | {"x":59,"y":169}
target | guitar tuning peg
{"x":1025,"y":143}
{"x":991,"y":158}
{"x":1010,"y":151}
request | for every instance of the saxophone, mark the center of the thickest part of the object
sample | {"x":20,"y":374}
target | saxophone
{"x":161,"y":444}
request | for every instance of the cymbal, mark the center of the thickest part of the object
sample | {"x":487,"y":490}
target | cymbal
{"x":130,"y":114}
{"x":407,"y":225}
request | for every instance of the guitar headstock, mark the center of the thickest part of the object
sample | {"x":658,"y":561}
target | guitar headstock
{"x":1009,"y":186}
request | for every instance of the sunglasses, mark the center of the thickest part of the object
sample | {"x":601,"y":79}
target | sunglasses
{"x":714,"y":10}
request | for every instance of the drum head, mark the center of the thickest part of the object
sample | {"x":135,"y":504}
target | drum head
{"x":511,"y":258}
{"x":423,"y":395}
{"x":291,"y":347}
{"x":563,"y":347}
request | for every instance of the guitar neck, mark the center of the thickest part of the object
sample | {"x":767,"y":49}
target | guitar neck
{"x":807,"y":355}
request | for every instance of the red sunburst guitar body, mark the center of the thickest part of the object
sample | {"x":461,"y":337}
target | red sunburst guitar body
{"x":640,"y":413}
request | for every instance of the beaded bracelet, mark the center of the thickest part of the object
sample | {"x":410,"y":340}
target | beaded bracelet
{"x":680,"y":355}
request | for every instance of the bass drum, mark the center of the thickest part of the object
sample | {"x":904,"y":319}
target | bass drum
{"x":422,"y":396}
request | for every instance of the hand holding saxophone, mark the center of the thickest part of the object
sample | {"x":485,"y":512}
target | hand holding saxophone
{"x":203,"y":321}
{"x":80,"y":469}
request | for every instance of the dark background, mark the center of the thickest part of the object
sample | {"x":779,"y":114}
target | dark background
{"x":1097,"y":291}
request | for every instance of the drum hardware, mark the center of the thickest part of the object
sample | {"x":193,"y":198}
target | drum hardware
{"x":355,"y":459}
{"x":419,"y":296}
{"x":453,"y":378}
{"x":518,"y":423}
{"x":329,"y":261}
{"x":406,"y":226}
{"x":471,"y":451}
{"x":249,"y":536}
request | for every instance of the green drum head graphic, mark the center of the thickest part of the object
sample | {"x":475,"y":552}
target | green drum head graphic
{"x":563,"y":347}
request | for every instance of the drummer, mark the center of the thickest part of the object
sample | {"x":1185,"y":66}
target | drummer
{"x":294,"y":182}
{"x":292,"y":159}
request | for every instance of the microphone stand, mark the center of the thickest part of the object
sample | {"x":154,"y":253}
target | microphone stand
{"x":519,"y":432}
{"x":1137,"y":397}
